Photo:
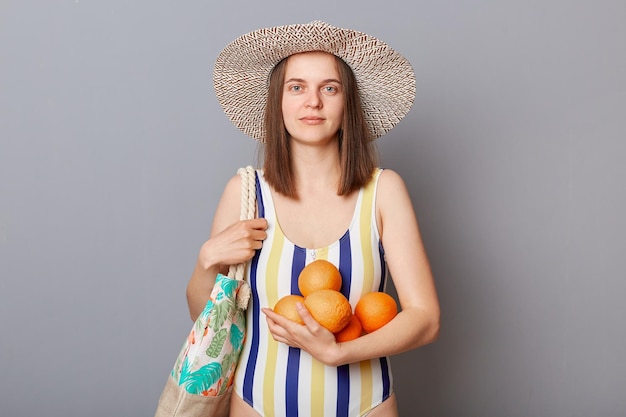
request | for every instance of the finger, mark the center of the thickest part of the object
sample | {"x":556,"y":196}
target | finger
{"x":259,"y":235}
{"x":274,"y":328}
{"x":278,"y":332}
{"x":307,"y":318}
{"x":259,"y":223}
{"x":252,"y":245}
{"x":270,"y":314}
{"x":276,"y":318}
{"x":282,"y":329}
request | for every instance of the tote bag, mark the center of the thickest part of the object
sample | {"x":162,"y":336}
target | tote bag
{"x":200,"y":384}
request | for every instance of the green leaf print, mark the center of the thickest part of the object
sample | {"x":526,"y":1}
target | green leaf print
{"x":229,"y":285}
{"x":226,"y":363}
{"x":203,"y":378}
{"x":219,"y":314}
{"x":201,"y":321}
{"x":239,"y":318}
{"x":229,"y":363}
{"x":217,"y":343}
{"x":236,"y":337}
{"x":184,"y":371}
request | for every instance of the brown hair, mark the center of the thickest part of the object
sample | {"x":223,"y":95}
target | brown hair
{"x":358,"y":156}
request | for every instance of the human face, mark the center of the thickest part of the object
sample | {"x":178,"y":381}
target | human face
{"x":312,"y":102}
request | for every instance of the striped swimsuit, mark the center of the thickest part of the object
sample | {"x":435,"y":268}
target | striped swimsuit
{"x":282,"y":381}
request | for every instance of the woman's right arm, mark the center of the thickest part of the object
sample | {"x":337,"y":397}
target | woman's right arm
{"x":231,"y":242}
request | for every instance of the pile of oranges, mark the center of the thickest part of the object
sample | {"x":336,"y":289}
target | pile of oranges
{"x":319,"y":283}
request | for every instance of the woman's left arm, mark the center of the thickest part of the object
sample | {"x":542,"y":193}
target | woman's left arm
{"x":407,"y":262}
{"x":416,"y":324}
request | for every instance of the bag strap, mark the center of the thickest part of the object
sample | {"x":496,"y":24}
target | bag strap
{"x":248,"y":211}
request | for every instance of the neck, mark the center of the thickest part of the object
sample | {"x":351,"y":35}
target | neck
{"x":316,"y":167}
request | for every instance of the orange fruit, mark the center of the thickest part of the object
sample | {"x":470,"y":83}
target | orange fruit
{"x":286,"y":307}
{"x":329,"y":308}
{"x":351,"y":331}
{"x":375,"y":309}
{"x":319,"y":275}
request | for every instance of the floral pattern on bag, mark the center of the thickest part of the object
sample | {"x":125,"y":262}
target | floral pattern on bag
{"x":207,"y":361}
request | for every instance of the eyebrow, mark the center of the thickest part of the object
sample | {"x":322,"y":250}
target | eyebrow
{"x":300,"y":80}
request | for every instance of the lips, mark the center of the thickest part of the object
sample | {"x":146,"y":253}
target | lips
{"x":312,"y":120}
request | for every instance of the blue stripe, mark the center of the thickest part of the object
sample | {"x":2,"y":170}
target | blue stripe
{"x":256,"y":312}
{"x":383,"y":267}
{"x":254,"y":348}
{"x":291,"y":382}
{"x":345,"y":264}
{"x":343,"y":390}
{"x":293,"y":361}
{"x":297,"y":265}
{"x":343,"y":372}
{"x":384,"y":366}
{"x":259,"y":196}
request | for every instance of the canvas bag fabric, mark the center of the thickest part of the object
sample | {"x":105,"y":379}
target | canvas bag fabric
{"x":200,"y":383}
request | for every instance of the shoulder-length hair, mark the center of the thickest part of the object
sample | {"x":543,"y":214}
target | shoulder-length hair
{"x":358,"y":156}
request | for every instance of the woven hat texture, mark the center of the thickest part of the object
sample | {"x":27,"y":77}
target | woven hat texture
{"x":385,"y":79}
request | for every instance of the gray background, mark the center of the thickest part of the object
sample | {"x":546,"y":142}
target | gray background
{"x":113,"y":152}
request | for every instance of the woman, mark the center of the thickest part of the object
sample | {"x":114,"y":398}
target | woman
{"x":317,"y":96}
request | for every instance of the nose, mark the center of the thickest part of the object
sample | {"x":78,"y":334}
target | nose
{"x":314,"y":100}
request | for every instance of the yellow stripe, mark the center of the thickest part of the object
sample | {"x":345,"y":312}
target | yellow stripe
{"x":365,"y":223}
{"x":368,"y":280}
{"x":272,"y":346}
{"x":322,"y":253}
{"x":317,"y":387}
{"x":366,"y":386}
{"x":318,"y":370}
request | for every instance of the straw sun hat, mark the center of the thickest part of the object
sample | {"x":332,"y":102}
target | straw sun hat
{"x":385,"y":79}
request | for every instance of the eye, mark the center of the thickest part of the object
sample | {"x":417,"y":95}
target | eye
{"x":330,"y":89}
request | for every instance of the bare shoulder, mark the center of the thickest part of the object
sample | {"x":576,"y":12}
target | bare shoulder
{"x":233,"y":186}
{"x":228,"y":209}
{"x":389,"y":177}
{"x":393,"y":203}
{"x":391,"y":189}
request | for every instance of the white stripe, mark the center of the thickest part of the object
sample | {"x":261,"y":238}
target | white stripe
{"x":304,"y":385}
{"x":355,"y":387}
{"x":281,"y":370}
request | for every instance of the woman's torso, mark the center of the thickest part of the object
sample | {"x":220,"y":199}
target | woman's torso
{"x":278,"y":380}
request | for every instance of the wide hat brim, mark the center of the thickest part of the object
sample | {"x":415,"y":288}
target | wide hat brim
{"x":385,"y":79}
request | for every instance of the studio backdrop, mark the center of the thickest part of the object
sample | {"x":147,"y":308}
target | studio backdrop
{"x":114,"y":152}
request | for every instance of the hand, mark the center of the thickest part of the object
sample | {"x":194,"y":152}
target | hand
{"x":310,"y":337}
{"x":234,"y":245}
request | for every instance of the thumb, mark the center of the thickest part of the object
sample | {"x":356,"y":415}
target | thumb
{"x":306,"y":317}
